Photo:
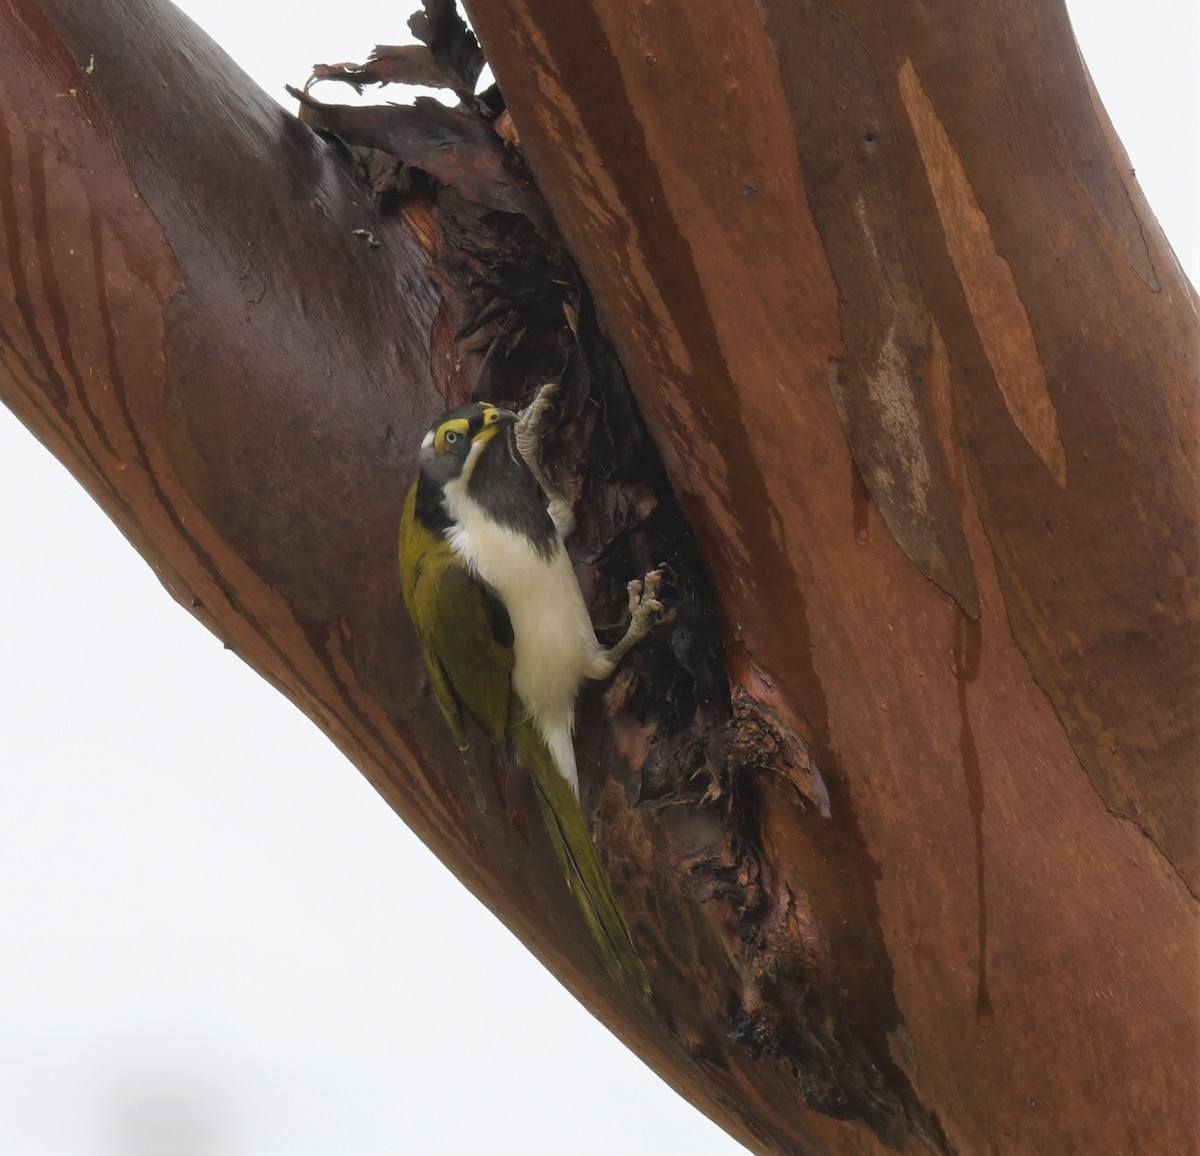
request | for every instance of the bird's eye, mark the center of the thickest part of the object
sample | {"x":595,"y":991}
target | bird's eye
{"x":451,"y":437}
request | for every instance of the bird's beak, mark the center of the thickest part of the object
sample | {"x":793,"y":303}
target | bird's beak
{"x":494,"y":420}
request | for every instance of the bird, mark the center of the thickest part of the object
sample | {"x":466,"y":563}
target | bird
{"x":503,"y":626}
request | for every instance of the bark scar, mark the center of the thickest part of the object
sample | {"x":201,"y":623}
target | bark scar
{"x":991,"y":290}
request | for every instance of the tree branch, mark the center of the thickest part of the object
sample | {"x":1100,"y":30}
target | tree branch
{"x":900,"y":811}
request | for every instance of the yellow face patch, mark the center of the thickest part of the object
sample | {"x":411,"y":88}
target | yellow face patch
{"x":451,"y":435}
{"x":491,"y":415}
{"x":455,"y":434}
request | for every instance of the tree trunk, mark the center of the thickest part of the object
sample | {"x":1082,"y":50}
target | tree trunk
{"x":901,"y":809}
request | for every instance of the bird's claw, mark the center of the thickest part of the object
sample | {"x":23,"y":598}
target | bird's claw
{"x":644,"y":611}
{"x":643,"y":602}
{"x":526,"y":433}
{"x":529,"y":446}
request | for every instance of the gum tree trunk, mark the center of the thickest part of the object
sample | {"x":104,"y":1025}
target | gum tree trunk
{"x":901,"y":809}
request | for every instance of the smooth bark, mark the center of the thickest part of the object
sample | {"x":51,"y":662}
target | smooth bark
{"x":901,"y":811}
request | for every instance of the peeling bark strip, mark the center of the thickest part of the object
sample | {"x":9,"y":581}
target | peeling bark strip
{"x":995,"y":303}
{"x":880,"y":885}
{"x":849,"y":161}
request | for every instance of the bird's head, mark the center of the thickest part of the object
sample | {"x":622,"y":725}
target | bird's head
{"x":457,"y":440}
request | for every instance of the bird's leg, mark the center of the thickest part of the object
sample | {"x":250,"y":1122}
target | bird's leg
{"x":643,"y":606}
{"x":529,"y":444}
{"x":643,"y":592}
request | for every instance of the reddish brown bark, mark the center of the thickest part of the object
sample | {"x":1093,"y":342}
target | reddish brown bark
{"x":921,"y":370}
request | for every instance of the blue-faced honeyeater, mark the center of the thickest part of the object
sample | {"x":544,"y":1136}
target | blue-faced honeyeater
{"x":506,"y":635}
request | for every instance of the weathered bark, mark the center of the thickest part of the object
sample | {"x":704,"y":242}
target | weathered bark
{"x":907,"y":842}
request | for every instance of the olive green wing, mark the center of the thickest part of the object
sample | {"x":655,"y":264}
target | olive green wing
{"x":465,"y":632}
{"x":471,"y":641}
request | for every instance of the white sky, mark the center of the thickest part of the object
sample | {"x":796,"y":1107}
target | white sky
{"x":217,"y":938}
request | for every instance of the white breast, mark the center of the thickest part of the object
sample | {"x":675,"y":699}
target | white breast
{"x":553,"y":639}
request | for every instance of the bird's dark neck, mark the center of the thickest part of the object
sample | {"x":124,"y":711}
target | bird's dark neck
{"x":430,"y":509}
{"x":503,"y":491}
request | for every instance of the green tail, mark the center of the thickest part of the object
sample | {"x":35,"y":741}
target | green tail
{"x":577,"y":855}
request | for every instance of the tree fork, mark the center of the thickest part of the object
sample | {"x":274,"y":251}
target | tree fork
{"x":918,"y":854}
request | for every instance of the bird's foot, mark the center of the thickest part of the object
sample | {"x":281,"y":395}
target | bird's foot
{"x":528,"y":438}
{"x":529,"y":446}
{"x":645,"y":611}
{"x":644,"y":606}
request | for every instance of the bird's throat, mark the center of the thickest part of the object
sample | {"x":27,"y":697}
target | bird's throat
{"x":501,"y":488}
